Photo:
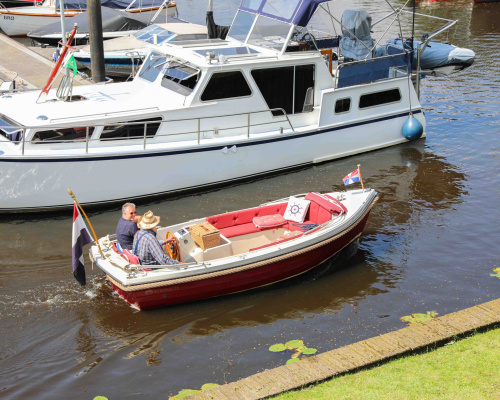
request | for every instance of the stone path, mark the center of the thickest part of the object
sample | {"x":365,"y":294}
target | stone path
{"x":29,"y":68}
{"x":357,"y":355}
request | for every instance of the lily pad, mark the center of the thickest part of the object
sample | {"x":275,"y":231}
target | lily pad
{"x":276,"y":348}
{"x":208,"y":386}
{"x":309,"y":350}
{"x":419,"y":317}
{"x":292,"y":360}
{"x":100,"y":398}
{"x":497,"y":270}
{"x":294,"y":344}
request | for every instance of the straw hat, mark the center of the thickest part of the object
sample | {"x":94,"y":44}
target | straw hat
{"x":148,"y":221}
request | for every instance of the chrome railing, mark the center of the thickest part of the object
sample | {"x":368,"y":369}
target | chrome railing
{"x":198,"y":132}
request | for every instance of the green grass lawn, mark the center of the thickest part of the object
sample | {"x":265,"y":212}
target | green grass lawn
{"x":466,"y":369}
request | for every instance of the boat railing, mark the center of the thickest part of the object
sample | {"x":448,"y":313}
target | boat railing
{"x":83,"y":134}
{"x":371,"y":70}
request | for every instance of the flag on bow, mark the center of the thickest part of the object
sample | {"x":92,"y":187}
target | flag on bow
{"x":71,"y":64}
{"x":81,"y":237}
{"x":352,"y":177}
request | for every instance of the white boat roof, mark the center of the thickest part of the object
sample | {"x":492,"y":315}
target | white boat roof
{"x":183,"y":28}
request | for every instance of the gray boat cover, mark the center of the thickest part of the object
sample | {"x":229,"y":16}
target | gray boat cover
{"x":359,"y":24}
{"x":116,"y":4}
{"x":112,"y":21}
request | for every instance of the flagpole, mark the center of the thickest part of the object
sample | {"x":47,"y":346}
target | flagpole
{"x":360,"y":177}
{"x":85,"y":215}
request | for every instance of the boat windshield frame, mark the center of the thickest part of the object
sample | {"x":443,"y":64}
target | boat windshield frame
{"x":283,"y":10}
{"x":271,"y":23}
{"x":9,"y":128}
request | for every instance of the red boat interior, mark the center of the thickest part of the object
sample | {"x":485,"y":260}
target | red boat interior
{"x":259,"y":227}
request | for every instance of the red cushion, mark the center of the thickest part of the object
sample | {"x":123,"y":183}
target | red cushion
{"x":227,"y":220}
{"x":237,"y":230}
{"x":269,"y":221}
{"x":130,"y":257}
{"x":327,"y":202}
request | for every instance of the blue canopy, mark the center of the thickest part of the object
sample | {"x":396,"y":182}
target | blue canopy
{"x":297,"y":12}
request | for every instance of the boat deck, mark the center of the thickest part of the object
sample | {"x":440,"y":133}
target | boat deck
{"x":32,"y":69}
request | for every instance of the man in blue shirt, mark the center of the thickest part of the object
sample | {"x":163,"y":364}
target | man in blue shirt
{"x":146,"y":246}
{"x":127,"y":226}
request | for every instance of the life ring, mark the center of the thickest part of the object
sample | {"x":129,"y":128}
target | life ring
{"x":172,"y":246}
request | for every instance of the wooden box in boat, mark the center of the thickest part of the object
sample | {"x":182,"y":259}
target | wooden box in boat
{"x":205,"y":235}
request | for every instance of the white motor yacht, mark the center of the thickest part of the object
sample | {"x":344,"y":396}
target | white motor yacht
{"x":271,"y":96}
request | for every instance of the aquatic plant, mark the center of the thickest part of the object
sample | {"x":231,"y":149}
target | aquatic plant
{"x":188,"y":392}
{"x":497,"y":273}
{"x":100,"y":398}
{"x":297,"y":346}
{"x":419,"y":317}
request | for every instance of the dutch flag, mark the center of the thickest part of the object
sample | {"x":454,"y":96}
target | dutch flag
{"x":352,"y":177}
{"x":81,"y":237}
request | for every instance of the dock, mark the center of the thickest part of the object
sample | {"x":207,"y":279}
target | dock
{"x":358,"y":355}
{"x":29,"y":67}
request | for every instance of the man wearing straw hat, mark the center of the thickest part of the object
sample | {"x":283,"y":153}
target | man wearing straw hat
{"x":146,"y":246}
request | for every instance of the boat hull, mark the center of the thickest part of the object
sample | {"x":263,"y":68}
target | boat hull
{"x":19,"y":21}
{"x":41,"y":183}
{"x":239,"y":279}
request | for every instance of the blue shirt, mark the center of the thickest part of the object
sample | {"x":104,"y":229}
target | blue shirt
{"x":149,"y":249}
{"x":125,"y":231}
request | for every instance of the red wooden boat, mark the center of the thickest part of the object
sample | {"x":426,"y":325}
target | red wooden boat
{"x":254,"y":248}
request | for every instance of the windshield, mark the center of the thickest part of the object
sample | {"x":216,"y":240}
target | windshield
{"x":269,"y":32}
{"x":152,"y":66}
{"x":241,"y":26}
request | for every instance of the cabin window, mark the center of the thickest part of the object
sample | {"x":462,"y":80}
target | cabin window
{"x":180,"y":77}
{"x":132,"y":129}
{"x":152,"y":66}
{"x":289,"y":88}
{"x":342,"y":106}
{"x":10,"y":129}
{"x":226,"y":85}
{"x":241,"y":26}
{"x":379,"y":98}
{"x":63,"y":135}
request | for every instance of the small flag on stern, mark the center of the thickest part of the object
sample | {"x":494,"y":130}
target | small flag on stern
{"x":352,"y":177}
{"x":81,"y":237}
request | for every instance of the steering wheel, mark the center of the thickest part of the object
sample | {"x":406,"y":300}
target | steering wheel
{"x":172,"y":245}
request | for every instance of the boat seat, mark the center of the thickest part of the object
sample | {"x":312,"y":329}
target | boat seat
{"x":239,"y":223}
{"x":327,"y":203}
{"x":126,"y":254}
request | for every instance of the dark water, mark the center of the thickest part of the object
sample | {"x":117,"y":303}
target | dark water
{"x":430,"y":244}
